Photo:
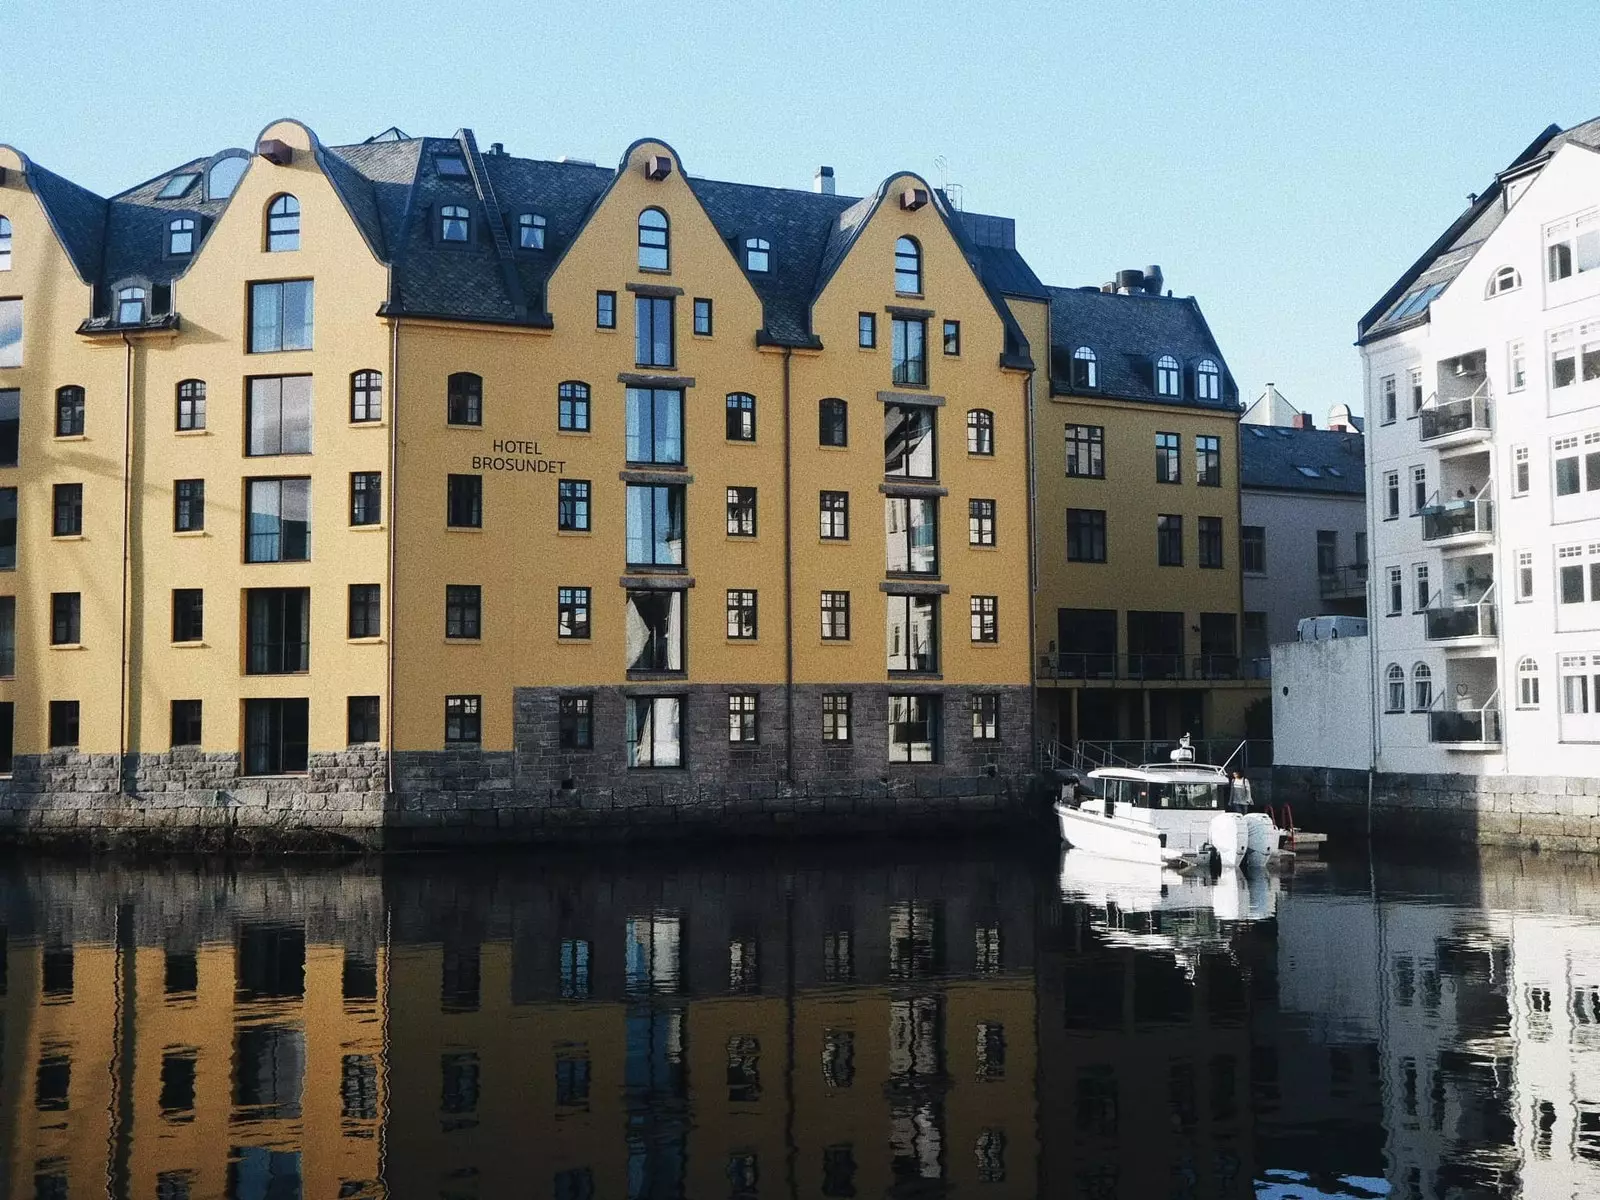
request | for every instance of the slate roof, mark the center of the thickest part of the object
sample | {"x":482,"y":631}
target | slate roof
{"x":1455,"y":248}
{"x":1128,"y":333}
{"x":136,"y":227}
{"x":77,"y":215}
{"x":1272,"y":457}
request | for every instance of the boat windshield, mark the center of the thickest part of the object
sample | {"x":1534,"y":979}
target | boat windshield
{"x":1154,"y":794}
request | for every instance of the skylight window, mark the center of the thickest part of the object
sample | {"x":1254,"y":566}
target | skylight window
{"x":1308,"y":472}
{"x":178,"y":185}
{"x":451,"y":166}
{"x":1416,"y":302}
{"x":1335,"y":472}
{"x":1258,"y":431}
{"x":224,"y":176}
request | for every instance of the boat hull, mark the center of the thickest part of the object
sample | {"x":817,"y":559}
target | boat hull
{"x":1126,"y":841}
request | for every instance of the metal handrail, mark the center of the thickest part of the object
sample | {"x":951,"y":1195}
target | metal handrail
{"x":1073,"y":664}
{"x":1467,"y":726}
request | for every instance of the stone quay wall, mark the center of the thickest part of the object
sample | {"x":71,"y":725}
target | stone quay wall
{"x":1542,"y":812}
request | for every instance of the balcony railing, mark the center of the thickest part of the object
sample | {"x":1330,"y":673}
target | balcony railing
{"x":1448,"y":622}
{"x":1143,"y":667}
{"x":1442,"y":418}
{"x":1455,"y":518}
{"x":1343,"y":583}
{"x":1468,"y":727}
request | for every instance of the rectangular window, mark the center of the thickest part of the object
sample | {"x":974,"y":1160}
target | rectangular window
{"x":914,"y":729}
{"x":63,"y":724}
{"x":741,"y":414}
{"x":866,"y":331}
{"x":655,"y":426}
{"x":911,"y":532}
{"x":908,"y":441}
{"x":365,"y":619}
{"x":280,"y":316}
{"x":8,"y":529}
{"x":361,"y":720}
{"x":276,"y":736}
{"x":463,"y":403}
{"x":8,"y":637}
{"x":572,"y":407}
{"x":605,"y":310}
{"x":985,"y":618}
{"x":1168,"y":467}
{"x":1086,"y":451}
{"x":1327,"y":551}
{"x":66,"y":618}
{"x":1210,"y":546}
{"x":980,"y":522}
{"x":464,"y":502}
{"x":572,"y":613}
{"x":277,"y":631}
{"x":743,"y":727}
{"x":67,"y":510}
{"x":835,"y":516}
{"x":1569,"y":573}
{"x":1563,"y":359}
{"x":741,"y":614}
{"x":836,"y":717}
{"x":366,"y":397}
{"x":280,"y":520}
{"x":1397,"y":591}
{"x":1086,"y":535}
{"x":655,"y":731}
{"x":8,"y":724}
{"x":463,"y":611}
{"x":833,"y":423}
{"x":366,"y":498}
{"x":986,"y":718}
{"x":1253,"y":549}
{"x":280,"y":415}
{"x":1517,"y":366}
{"x":188,"y":505}
{"x":1391,"y":495}
{"x":186,"y":722}
{"x":1169,"y":540}
{"x":913,"y":633}
{"x":1419,"y":489}
{"x":10,"y":333}
{"x":952,"y":337}
{"x":835,"y":616}
{"x":1416,"y":390}
{"x":654,"y":629}
{"x":575,"y":723}
{"x":1524,"y":575}
{"x":572,"y":505}
{"x":1520,"y":470}
{"x":1422,"y":594}
{"x":1566,"y":466}
{"x":741,"y":512}
{"x":10,"y":417}
{"x":1386,"y":400}
{"x":69,"y":412}
{"x":1208,"y":461}
{"x":910,"y":351}
{"x":652,"y":343}
{"x":188,"y":614}
{"x":463,"y":720}
{"x":702,"y":317}
{"x":655,"y":535}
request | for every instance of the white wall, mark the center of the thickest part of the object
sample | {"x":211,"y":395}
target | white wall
{"x":1322,"y":704}
{"x":1289,"y":589}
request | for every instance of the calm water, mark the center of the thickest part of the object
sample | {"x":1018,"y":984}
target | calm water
{"x":764,"y":1023}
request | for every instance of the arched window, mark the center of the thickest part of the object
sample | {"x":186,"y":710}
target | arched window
{"x":1395,"y":700}
{"x":908,"y":266}
{"x":1527,"y":684}
{"x":69,"y":411}
{"x":455,"y":223}
{"x":366,"y":396}
{"x":741,"y":417}
{"x":1506,"y":279}
{"x":5,"y":244}
{"x":1421,"y":688}
{"x":653,"y":241}
{"x":225,"y":175}
{"x":180,"y":235}
{"x":283,"y":223}
{"x":192,"y":404}
{"x":980,"y":431}
{"x":1208,"y":380}
{"x":465,"y":399}
{"x":757,"y":254}
{"x":130,"y":305}
{"x":833,"y":423}
{"x":1167,"y":376}
{"x":530,"y":231}
{"x":1085,"y":368}
{"x":572,"y":405}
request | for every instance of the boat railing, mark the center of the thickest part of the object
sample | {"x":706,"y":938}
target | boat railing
{"x":1249,"y":754}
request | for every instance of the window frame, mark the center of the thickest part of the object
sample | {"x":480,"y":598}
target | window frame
{"x":1168,"y":377}
{"x":453,"y":225}
{"x":903,"y":539}
{"x":463,"y":612}
{"x":981,"y":522}
{"x":574,"y":613}
{"x":664,"y":449}
{"x":915,"y":660}
{"x":1388,"y":400}
{"x":741,"y":512}
{"x":703,"y":317}
{"x":634,"y":733}
{"x":186,"y":723}
{"x":1423,"y":696}
{"x":980,"y":432}
{"x":952,"y":339}
{"x":984,"y":619}
{"x":70,"y":410}
{"x":985,"y":716}
{"x":66,"y":510}
{"x":908,"y":368}
{"x":1253,"y":549}
{"x":1169,"y":458}
{"x":463,"y":720}
{"x":575,"y":722}
{"x":1207,"y":460}
{"x":1086,"y":444}
{"x":668,"y":525}
{"x":573,"y":400}
{"x":188,"y":511}
{"x":1395,"y":685}
{"x":1085,"y":369}
{"x":866,"y":331}
{"x":1527,"y":686}
{"x":837,"y":717}
{"x":464,"y":399}
{"x":190,"y":392}
{"x":1169,"y":539}
{"x":286,"y":613}
{"x":253,"y":537}
{"x":363,"y":611}
{"x":282,"y":224}
{"x":605,"y":306}
{"x":573,"y":506}
{"x":263,"y":336}
{"x":366,"y":396}
{"x":833,"y":417}
{"x":1209,"y":550}
{"x":271,"y":745}
{"x":287,"y":392}
{"x":188,"y":615}
{"x":916,"y":709}
{"x":741,"y":416}
{"x":1086,"y":535}
{"x":744,"y":718}
{"x":366,"y":499}
{"x":362,"y":716}
{"x":463,"y":501}
{"x":653,"y":247}
{"x":833,"y":515}
{"x":532,"y":225}
{"x":1208,"y":380}
{"x":907,"y":266}
{"x":743,"y":624}
{"x":650,"y":313}
{"x":833,"y":609}
{"x":754,"y":246}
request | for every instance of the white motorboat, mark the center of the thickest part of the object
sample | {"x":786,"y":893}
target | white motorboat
{"x":1174,"y":812}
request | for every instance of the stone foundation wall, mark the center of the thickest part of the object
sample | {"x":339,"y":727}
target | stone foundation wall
{"x":1545,"y":812}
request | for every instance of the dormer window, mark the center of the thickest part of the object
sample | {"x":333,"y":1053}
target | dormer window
{"x":757,"y":254}
{"x":224,"y":176}
{"x":177,"y":186}
{"x":283,"y":224}
{"x":653,"y":241}
{"x":908,"y":266}
{"x":450,"y":166}
{"x":1085,"y":368}
{"x":1506,"y":279}
{"x":530,"y":231}
{"x":1208,"y":380}
{"x":1167,"y":376}
{"x":5,"y":244}
{"x":455,"y":223}
{"x":130,"y":306}
{"x":180,"y":236}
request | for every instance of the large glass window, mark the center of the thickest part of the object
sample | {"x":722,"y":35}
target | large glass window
{"x":655,"y":515}
{"x":464,"y":501}
{"x":914,"y":729}
{"x":280,"y":415}
{"x":188,"y":505}
{"x":280,"y":520}
{"x":911,"y":534}
{"x":741,"y":417}
{"x":1169,"y":540}
{"x":652,"y":339}
{"x":654,"y":244}
{"x":1208,"y":380}
{"x":464,"y":399}
{"x":278,"y":633}
{"x":192,"y":404}
{"x":1167,"y":376}
{"x":1168,"y":468}
{"x":572,"y":505}
{"x":913,"y":633}
{"x":280,"y":316}
{"x":655,"y":425}
{"x":572,"y":406}
{"x":908,"y":266}
{"x":655,"y":731}
{"x":1086,"y":451}
{"x":10,"y":333}
{"x":1208,"y":461}
{"x":463,"y":611}
{"x":69,"y":411}
{"x":1210,"y":542}
{"x":833,"y":423}
{"x":910,"y":351}
{"x":1086,"y":535}
{"x":908,"y":441}
{"x":366,"y":396}
{"x":654,"y":631}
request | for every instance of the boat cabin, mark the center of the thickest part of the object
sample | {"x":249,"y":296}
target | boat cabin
{"x":1157,"y":786}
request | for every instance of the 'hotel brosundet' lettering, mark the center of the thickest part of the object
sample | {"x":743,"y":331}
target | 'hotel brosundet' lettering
{"x":518,"y":456}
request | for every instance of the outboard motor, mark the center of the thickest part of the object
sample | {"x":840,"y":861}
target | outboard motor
{"x":1229,"y":839}
{"x":1261,"y":837}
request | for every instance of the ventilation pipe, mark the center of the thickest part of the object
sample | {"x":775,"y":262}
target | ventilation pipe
{"x":822,"y":181}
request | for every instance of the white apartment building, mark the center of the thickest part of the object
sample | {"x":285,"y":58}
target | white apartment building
{"x":1482,"y":384}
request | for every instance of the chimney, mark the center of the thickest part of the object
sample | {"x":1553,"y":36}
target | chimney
{"x":1130,"y":281}
{"x":1153,"y":280}
{"x":1304,"y":421}
{"x":822,"y":181}
{"x":497,"y":148}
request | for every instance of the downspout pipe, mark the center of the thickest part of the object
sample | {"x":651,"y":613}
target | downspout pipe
{"x":127,"y":558}
{"x":1033,"y":566}
{"x":389,"y":584}
{"x":788,"y":573}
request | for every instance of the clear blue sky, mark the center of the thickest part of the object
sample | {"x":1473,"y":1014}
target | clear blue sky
{"x":1281,"y":161}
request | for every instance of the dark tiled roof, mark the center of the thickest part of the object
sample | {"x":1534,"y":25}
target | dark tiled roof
{"x":136,"y":240}
{"x":1278,"y":458}
{"x":1128,"y":333}
{"x":1455,"y":248}
{"x":77,"y":215}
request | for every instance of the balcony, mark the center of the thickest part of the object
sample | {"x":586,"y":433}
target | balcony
{"x":1348,"y":582}
{"x":1459,"y":625}
{"x":1451,"y":523}
{"x":1459,"y":422}
{"x":1467,"y":729}
{"x":1144,"y":667}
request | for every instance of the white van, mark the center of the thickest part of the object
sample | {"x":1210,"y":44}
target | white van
{"x":1327,"y":629}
